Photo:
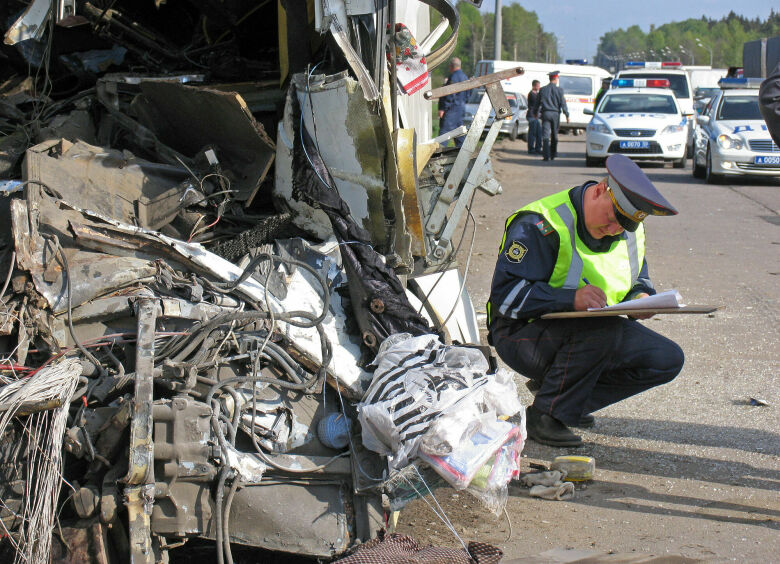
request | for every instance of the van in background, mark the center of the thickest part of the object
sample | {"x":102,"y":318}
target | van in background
{"x":580,"y":84}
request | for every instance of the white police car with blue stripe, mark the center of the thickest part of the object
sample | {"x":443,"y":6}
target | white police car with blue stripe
{"x":732,"y":138}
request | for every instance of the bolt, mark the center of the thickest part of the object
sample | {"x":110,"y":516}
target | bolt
{"x":377,"y":305}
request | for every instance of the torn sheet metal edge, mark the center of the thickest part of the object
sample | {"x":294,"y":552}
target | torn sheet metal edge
{"x":125,"y":271}
{"x":370,"y":91}
{"x":462,"y":325}
{"x":345,"y":356}
{"x":31,"y":24}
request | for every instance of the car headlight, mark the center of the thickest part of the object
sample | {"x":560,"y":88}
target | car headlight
{"x":673,"y":129}
{"x":600,"y":128}
{"x":728,"y":142}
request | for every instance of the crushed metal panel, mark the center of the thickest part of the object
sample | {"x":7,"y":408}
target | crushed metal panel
{"x":312,"y":221}
{"x":345,"y":356}
{"x":261,"y":516}
{"x":189,"y":118}
{"x":353,"y":145}
{"x":31,"y":24}
{"x":108,"y":181}
{"x":92,"y":274}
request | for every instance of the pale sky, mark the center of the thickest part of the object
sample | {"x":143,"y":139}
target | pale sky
{"x":579,"y":24}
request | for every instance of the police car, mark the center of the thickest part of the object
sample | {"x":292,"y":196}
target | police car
{"x":732,"y":137}
{"x":639,"y":118}
{"x":679,"y":82}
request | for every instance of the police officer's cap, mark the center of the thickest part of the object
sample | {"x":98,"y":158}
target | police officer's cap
{"x":633,"y":195}
{"x":553,"y":74}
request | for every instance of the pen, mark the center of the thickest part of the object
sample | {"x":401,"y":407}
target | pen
{"x":586,"y":281}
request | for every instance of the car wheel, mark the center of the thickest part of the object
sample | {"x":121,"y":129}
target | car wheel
{"x":710,"y":176}
{"x":524,"y":137}
{"x":697,"y":169}
{"x":680,"y":163}
{"x":514,"y":133}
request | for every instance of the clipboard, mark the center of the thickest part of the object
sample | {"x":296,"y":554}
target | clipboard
{"x":638,"y":311}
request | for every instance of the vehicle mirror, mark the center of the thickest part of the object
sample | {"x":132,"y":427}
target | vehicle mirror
{"x":704,"y":120}
{"x":587,"y":112}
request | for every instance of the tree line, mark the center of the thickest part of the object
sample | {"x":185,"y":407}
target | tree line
{"x":522,"y":37}
{"x":692,"y":41}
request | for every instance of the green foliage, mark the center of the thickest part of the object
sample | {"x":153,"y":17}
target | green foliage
{"x":522,"y":38}
{"x":689,"y":41}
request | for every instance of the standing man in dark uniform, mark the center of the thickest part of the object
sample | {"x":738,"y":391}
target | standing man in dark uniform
{"x":578,"y":249}
{"x":605,"y":83}
{"x":534,"y":122}
{"x":552,"y":104}
{"x":452,"y":106}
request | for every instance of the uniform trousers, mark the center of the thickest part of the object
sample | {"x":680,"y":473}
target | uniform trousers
{"x":585,"y":364}
{"x":534,"y":135}
{"x":452,"y":119}
{"x":550,"y":123}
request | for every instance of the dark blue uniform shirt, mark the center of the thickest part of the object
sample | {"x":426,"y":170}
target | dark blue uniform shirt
{"x":520,"y":289}
{"x":451,"y":101}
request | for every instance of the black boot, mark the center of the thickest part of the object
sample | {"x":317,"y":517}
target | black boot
{"x":587,"y":421}
{"x":547,"y":430}
{"x":546,"y":149}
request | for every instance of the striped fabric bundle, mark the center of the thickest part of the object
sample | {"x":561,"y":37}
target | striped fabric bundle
{"x":417,"y":379}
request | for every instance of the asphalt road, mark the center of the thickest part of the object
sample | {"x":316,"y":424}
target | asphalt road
{"x":689,"y":468}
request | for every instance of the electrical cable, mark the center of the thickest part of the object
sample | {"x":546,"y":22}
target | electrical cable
{"x":226,"y":518}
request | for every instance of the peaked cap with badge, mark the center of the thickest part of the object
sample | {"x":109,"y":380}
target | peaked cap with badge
{"x":553,"y":74}
{"x":633,"y":195}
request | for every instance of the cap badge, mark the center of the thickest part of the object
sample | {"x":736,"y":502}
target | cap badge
{"x":639,"y":215}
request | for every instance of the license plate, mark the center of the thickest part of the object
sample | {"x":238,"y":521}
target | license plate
{"x":635,"y":144}
{"x":773,"y":160}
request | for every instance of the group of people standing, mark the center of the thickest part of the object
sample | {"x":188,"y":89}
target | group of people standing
{"x":545,"y":105}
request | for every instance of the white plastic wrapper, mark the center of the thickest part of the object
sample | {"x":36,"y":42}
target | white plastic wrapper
{"x":419,"y":380}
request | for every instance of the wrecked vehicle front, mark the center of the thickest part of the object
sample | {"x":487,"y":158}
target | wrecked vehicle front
{"x":215,"y":215}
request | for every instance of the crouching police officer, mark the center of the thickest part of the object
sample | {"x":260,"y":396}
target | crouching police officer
{"x":578,"y":249}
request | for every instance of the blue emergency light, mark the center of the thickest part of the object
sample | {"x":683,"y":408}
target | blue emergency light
{"x":652,"y":64}
{"x":640,"y":83}
{"x":726,"y":83}
{"x":576,"y":61}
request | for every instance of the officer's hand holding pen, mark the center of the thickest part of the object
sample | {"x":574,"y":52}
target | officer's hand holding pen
{"x":589,"y":297}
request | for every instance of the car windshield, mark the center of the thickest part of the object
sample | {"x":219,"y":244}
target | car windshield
{"x":638,"y":103}
{"x":739,"y":107}
{"x":576,"y":85}
{"x":705,"y":92}
{"x":677,"y":82}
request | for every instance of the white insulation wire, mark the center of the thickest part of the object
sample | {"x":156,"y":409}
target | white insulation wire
{"x":43,"y":433}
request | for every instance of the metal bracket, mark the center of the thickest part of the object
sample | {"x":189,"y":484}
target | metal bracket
{"x":438,"y":224}
{"x":139,"y":493}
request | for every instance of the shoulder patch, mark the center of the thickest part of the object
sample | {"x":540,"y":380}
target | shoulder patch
{"x":545,"y":227}
{"x":516,"y":251}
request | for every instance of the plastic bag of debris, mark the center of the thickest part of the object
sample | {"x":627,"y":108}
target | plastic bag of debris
{"x":419,"y":380}
{"x":489,"y":435}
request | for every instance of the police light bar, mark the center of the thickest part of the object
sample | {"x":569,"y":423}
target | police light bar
{"x":652,"y":64}
{"x":640,"y":83}
{"x":576,"y":61}
{"x":726,"y":83}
